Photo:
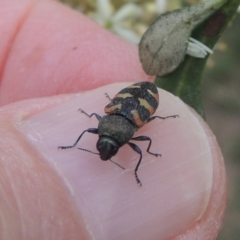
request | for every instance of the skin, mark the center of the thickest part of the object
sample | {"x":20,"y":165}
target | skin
{"x":49,"y":193}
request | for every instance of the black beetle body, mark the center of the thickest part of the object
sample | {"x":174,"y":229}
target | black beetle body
{"x":129,"y":110}
{"x":115,"y":131}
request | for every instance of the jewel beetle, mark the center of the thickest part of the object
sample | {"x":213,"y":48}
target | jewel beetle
{"x":129,"y":110}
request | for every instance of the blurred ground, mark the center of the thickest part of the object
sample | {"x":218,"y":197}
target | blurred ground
{"x":221,"y":97}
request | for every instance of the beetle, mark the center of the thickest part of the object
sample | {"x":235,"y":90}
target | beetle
{"x":128,"y":111}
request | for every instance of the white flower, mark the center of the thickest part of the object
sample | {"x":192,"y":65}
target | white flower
{"x":197,"y":49}
{"x":118,"y":21}
{"x":161,"y":5}
{"x":238,"y":10}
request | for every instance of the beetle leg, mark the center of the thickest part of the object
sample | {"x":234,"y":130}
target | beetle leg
{"x":108,"y":97}
{"x":138,"y":150}
{"x":145,"y":138}
{"x":95,"y":114}
{"x":152,"y":118}
{"x":90,"y":130}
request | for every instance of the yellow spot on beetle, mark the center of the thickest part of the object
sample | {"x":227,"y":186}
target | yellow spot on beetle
{"x":123,"y":95}
{"x":136,"y":118}
{"x":145,"y":104}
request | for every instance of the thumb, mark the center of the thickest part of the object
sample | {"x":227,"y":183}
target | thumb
{"x":73,"y":194}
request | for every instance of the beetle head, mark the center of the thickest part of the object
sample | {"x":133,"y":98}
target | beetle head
{"x":107,"y":147}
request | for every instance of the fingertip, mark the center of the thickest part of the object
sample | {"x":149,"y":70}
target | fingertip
{"x":209,"y":225}
{"x":178,"y":189}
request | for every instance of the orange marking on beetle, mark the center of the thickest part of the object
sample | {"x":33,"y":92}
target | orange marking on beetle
{"x":137,"y":121}
{"x":145,"y":104}
{"x":123,"y":95}
{"x":112,"y":108}
{"x":155,"y":95}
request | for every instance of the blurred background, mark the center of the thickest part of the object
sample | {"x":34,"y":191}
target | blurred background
{"x":221,"y":97}
{"x":221,"y":82}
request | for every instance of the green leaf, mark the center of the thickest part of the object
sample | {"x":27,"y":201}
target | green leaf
{"x":164,"y":45}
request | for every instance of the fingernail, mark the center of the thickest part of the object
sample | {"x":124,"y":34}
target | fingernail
{"x":176,"y":187}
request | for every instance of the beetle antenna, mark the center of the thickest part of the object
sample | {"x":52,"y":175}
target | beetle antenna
{"x":83,"y":149}
{"x":86,"y":150}
{"x":117,"y":164}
